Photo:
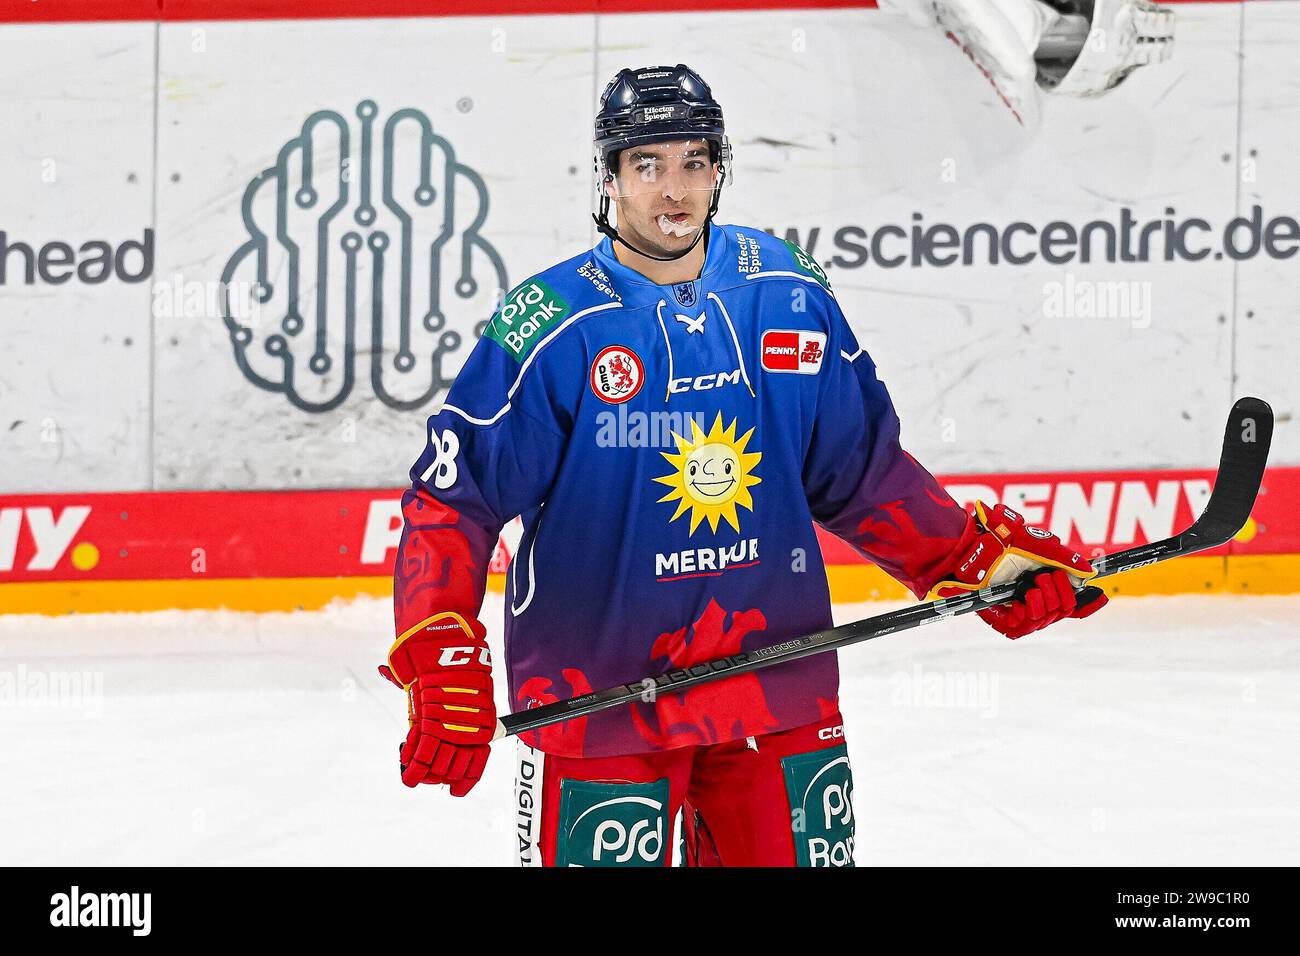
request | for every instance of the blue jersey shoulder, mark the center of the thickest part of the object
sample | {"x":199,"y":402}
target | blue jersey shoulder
{"x":542,"y":306}
{"x":759,"y":255}
{"x":532,"y":322}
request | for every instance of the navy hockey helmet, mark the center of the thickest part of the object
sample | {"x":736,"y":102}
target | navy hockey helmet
{"x":657,"y":103}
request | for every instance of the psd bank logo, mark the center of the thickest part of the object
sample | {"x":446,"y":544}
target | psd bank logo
{"x":365,"y":255}
{"x":612,"y":824}
{"x":820,"y":788}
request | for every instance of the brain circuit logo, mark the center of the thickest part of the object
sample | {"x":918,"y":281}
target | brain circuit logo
{"x":365,"y":254}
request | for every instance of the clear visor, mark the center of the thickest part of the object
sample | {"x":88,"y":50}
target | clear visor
{"x":671,"y":170}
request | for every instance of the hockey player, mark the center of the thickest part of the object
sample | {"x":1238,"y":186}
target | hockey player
{"x":670,"y":412}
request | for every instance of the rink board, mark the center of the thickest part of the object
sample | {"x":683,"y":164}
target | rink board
{"x":1242,"y":574}
{"x":286,"y":550}
{"x":179,"y":134}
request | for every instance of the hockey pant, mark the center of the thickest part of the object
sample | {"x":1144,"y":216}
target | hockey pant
{"x":780,"y":799}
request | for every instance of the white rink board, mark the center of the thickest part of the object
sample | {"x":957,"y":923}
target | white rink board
{"x":840,"y":119}
{"x":1268,"y":290}
{"x":76,"y":165}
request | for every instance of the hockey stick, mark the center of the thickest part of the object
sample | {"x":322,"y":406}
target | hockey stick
{"x":1241,"y":468}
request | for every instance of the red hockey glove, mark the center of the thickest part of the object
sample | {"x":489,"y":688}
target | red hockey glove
{"x":1003,"y":550}
{"x":444,"y":665}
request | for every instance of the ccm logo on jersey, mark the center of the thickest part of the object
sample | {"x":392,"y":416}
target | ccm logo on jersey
{"x":704,"y":382}
{"x":831,"y":733}
{"x":617,"y":374}
{"x":790,"y":350}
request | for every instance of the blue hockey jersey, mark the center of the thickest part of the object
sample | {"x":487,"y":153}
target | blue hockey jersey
{"x":669,"y":448}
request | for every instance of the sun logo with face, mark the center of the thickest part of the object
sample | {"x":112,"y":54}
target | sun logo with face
{"x":712,"y":474}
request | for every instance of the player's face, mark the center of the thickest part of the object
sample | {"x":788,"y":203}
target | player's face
{"x":663,"y":191}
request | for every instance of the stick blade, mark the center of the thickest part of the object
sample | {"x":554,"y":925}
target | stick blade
{"x":1246,"y":441}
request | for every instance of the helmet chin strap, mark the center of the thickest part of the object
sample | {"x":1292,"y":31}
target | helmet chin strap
{"x":605,"y":229}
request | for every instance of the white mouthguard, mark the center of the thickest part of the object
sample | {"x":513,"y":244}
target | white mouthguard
{"x":678,"y":229}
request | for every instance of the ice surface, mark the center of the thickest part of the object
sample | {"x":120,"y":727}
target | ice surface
{"x":1163,"y":731}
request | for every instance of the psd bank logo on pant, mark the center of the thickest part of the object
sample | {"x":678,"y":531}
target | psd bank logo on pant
{"x":612,"y":824}
{"x":820,"y":788}
{"x":365,"y":257}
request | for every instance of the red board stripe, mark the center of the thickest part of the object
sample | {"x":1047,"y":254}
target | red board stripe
{"x":36,"y":11}
{"x":54,"y":11}
{"x":289,"y":534}
{"x":296,"y":9}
